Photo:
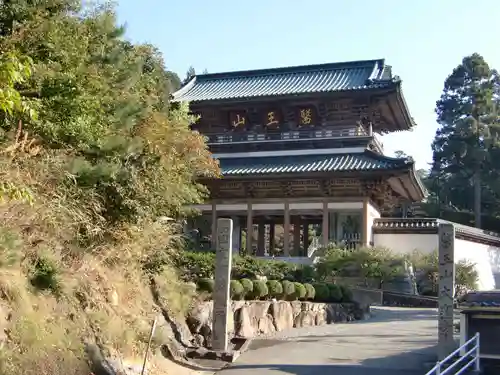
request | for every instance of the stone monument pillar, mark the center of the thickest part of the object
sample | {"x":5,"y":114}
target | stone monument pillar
{"x":222,"y":302}
{"x":446,"y":343}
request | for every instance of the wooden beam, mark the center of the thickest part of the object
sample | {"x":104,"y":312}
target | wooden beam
{"x":272,"y":240}
{"x":249,"y":229}
{"x":286,"y":230}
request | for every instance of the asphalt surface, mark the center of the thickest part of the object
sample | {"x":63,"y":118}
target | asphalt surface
{"x":395,"y":341}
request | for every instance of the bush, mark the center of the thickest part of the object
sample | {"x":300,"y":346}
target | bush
{"x":300,"y":291}
{"x":275,"y":289}
{"x":322,"y":293}
{"x":247,"y":285}
{"x":206,"y":285}
{"x":304,"y":274}
{"x":250,"y":267}
{"x":335,"y":293}
{"x":260,"y":289}
{"x":46,"y":274}
{"x":310,"y":292}
{"x":277,"y":270}
{"x":236,"y":290}
{"x":346,"y":294}
{"x":195,"y":265}
{"x":288,"y":290}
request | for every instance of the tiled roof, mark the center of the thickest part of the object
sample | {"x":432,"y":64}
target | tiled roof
{"x":367,"y":161}
{"x":356,"y":75}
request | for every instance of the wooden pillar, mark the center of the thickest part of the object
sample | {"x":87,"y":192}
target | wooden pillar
{"x":365,"y":230}
{"x":261,"y":239}
{"x":325,"y":227}
{"x":249,"y":229}
{"x":272,"y":232}
{"x":296,"y":236}
{"x":305,"y":247}
{"x":286,"y":231}
{"x":213,"y":241}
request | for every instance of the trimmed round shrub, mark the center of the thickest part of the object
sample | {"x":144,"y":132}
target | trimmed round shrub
{"x":236,"y":289}
{"x":275,"y":289}
{"x":346,"y":294}
{"x":321,"y":292}
{"x":288,"y":290}
{"x":247,"y":285}
{"x":335,"y":293}
{"x":260,"y":289}
{"x":300,"y":291}
{"x":206,"y":285}
{"x":310,"y":292}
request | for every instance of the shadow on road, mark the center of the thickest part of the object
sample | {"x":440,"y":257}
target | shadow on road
{"x":416,"y":362}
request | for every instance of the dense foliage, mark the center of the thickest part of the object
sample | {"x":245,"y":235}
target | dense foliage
{"x":195,"y":265}
{"x":366,"y":267}
{"x":463,"y":178}
{"x":92,"y":155}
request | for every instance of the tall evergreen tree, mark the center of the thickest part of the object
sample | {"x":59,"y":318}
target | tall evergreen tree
{"x":467,"y":115}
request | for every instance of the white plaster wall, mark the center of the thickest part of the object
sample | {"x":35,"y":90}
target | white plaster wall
{"x":407,"y":243}
{"x":373,"y":214}
{"x":486,"y":258}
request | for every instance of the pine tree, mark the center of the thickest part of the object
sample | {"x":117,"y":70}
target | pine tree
{"x":468,"y":130}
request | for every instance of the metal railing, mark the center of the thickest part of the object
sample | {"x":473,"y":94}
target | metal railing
{"x":446,"y":367}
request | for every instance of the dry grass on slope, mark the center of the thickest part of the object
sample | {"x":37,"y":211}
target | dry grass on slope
{"x":56,"y":293}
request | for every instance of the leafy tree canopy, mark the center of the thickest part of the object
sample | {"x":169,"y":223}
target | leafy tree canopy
{"x":104,"y":120}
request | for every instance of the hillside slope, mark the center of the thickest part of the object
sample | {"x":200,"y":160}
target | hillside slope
{"x":92,"y":155}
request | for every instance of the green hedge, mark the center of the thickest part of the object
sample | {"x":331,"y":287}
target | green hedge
{"x":236,"y":290}
{"x":281,"y":290}
{"x":198,"y":265}
{"x":275,"y":289}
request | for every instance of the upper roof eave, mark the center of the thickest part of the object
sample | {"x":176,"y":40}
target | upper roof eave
{"x":289,"y":81}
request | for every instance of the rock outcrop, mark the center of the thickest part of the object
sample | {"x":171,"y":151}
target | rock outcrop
{"x":255,"y":318}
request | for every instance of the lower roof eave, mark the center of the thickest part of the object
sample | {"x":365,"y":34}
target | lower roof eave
{"x":364,"y":174}
{"x":412,"y":184}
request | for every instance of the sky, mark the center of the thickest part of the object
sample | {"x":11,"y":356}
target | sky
{"x":422,"y":40}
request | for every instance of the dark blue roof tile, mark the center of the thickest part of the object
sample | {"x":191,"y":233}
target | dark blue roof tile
{"x":367,"y":161}
{"x":355,"y":75}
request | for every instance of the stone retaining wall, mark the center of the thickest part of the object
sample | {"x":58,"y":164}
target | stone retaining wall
{"x":254,"y":318}
{"x":408,"y":300}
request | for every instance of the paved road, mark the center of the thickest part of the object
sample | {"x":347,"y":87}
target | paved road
{"x":396,"y":341}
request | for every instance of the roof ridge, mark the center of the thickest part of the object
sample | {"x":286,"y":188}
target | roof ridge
{"x":292,"y":69}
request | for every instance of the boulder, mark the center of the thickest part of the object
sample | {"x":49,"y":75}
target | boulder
{"x":266,"y":325}
{"x":282,"y":315}
{"x":245,"y":324}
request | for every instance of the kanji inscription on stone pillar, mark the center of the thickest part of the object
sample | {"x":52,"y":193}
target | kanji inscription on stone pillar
{"x":446,"y":343}
{"x":220,"y":330}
